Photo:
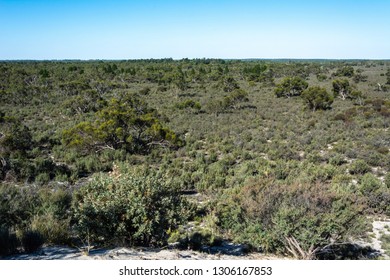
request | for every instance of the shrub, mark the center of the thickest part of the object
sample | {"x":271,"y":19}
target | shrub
{"x":17,"y":206}
{"x":369,"y":184}
{"x":342,"y":88}
{"x":126,"y":208}
{"x":337,"y":160}
{"x":346,"y":71}
{"x":189,"y":103}
{"x":53,"y":230}
{"x":290,"y":86}
{"x":359,"y":167}
{"x":387,"y":180}
{"x":317,"y":98}
{"x":291,"y":218}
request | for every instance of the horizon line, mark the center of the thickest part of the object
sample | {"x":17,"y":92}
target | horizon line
{"x":185,"y":58}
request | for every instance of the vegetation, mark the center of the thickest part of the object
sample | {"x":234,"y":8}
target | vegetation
{"x":288,"y":157}
{"x":128,"y":209}
{"x":291,"y":86}
{"x":317,"y":98}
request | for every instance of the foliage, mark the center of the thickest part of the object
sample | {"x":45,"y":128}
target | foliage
{"x":359,"y":167}
{"x":312,"y":216}
{"x":230,"y":101}
{"x":344,"y":90}
{"x":62,"y":121}
{"x":317,"y":98}
{"x":229,"y":84}
{"x":345,"y":71}
{"x":290,"y":86}
{"x":341,"y":88}
{"x":16,"y":206}
{"x":123,"y":207}
{"x":388,"y":76}
{"x":126,"y":123}
{"x":189,"y":103}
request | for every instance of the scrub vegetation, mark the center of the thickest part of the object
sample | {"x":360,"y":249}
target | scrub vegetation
{"x":286,"y":157}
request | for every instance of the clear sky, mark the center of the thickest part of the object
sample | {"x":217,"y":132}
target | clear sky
{"x":114,"y":29}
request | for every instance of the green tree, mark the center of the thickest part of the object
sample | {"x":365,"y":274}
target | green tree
{"x":345,"y":71}
{"x":125,"y":123}
{"x":342,"y":88}
{"x":229,"y":84}
{"x":291,"y":86}
{"x":128,"y":208}
{"x":299,"y":219}
{"x":317,"y":98}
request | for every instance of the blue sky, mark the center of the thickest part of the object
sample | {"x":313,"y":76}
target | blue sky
{"x":114,"y":29}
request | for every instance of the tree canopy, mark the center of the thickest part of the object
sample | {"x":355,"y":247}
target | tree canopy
{"x":291,"y":86}
{"x":317,"y":98}
{"x":125,"y":123}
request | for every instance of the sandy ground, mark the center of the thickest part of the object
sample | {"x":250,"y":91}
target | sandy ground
{"x":229,"y":251}
{"x":67,"y":253}
{"x":379,"y":228}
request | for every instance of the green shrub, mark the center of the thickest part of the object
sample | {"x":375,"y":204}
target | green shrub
{"x":310,"y":216}
{"x":42,"y":179}
{"x":189,"y":103}
{"x":369,"y":184}
{"x":290,"y":86}
{"x":337,"y":160}
{"x":123,"y":207}
{"x":387,"y":180}
{"x":53,"y":231}
{"x":317,"y":98}
{"x":359,"y":167}
{"x":17,"y":206}
{"x":346,"y":71}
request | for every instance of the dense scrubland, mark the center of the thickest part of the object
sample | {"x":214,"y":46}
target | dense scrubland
{"x":286,"y":157}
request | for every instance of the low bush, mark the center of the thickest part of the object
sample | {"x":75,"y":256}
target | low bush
{"x":17,"y":206}
{"x":359,"y":167}
{"x":53,"y":230}
{"x":128,"y":208}
{"x":298,"y":219}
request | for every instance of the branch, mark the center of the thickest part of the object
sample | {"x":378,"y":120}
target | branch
{"x":296,"y":250}
{"x":161,"y":143}
{"x":101,"y":148}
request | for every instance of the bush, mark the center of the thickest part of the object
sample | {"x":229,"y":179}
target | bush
{"x":189,"y":103}
{"x":369,"y":184}
{"x":54,"y":231}
{"x":337,"y":160}
{"x":317,"y":98}
{"x":359,"y":167}
{"x":387,"y":180}
{"x":345,"y":71}
{"x":126,"y":208}
{"x":32,"y":241}
{"x":17,"y":206}
{"x":291,"y":86}
{"x":290,"y":218}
